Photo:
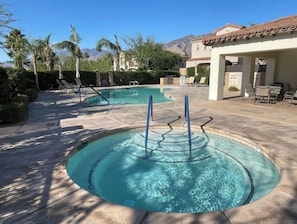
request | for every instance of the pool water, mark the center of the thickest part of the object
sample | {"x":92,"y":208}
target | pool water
{"x":131,"y":95}
{"x":219,"y":174}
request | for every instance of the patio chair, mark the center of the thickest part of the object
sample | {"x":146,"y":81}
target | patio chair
{"x":61,"y":85}
{"x":290,"y":97}
{"x":67,"y":86}
{"x":190,"y":80}
{"x":274,"y":93}
{"x":202,"y":81}
{"x":79,"y":84}
{"x":262,"y":94}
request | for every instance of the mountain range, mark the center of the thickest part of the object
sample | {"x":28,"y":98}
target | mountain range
{"x":181,"y":46}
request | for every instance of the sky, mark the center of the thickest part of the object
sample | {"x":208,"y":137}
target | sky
{"x":162,"y":20}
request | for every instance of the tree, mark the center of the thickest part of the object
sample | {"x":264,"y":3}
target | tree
{"x":141,"y":50}
{"x":73,"y":48}
{"x":35,"y":48}
{"x":150,"y":55}
{"x":49,"y":54}
{"x":165,"y":60}
{"x":16,"y":44}
{"x":115,"y":47}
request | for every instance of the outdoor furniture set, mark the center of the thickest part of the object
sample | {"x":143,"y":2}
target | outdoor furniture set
{"x":270,"y":94}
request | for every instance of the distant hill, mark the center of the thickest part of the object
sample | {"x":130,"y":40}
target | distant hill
{"x":181,"y":46}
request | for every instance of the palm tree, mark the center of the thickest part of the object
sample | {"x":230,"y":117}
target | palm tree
{"x":72,"y":46}
{"x":111,"y":46}
{"x":15,"y":43}
{"x":49,"y":54}
{"x":35,"y":47}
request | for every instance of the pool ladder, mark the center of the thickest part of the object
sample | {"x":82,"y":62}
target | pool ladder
{"x":187,"y":120}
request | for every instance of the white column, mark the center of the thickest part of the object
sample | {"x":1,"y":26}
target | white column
{"x":217,"y":76}
{"x":270,"y":69}
{"x":248,"y":68}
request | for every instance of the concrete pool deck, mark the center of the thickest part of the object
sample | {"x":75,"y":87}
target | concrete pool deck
{"x":35,"y":187}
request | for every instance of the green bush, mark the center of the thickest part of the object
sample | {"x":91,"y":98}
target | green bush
{"x":32,"y":94}
{"x":20,"y":98}
{"x":202,"y":71}
{"x":13,"y":112}
{"x":18,"y":78}
{"x":233,"y":88}
{"x":143,"y":77}
{"x":7,"y":92}
{"x":47,"y":80}
{"x":5,"y":88}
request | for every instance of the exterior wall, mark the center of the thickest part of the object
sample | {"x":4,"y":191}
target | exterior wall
{"x":193,"y":63}
{"x":126,"y":64}
{"x":233,"y":79}
{"x":200,"y":53}
{"x":199,"y":50}
{"x":227,"y":29}
{"x":170,"y":81}
{"x":286,"y":70}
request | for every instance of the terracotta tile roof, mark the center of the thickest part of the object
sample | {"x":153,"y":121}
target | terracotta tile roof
{"x":282,"y":25}
{"x":213,"y":33}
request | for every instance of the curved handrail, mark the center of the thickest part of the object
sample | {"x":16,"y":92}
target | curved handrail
{"x":100,"y":94}
{"x":148,"y":116}
{"x":187,"y":117}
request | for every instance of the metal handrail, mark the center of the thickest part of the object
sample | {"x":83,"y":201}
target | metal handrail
{"x":148,"y":116}
{"x":100,"y":94}
{"x":187,"y":117}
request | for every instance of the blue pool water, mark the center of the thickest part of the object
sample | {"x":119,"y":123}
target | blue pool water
{"x":220,"y":174}
{"x":131,"y":95}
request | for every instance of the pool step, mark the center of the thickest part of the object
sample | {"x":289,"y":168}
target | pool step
{"x":168,"y":146}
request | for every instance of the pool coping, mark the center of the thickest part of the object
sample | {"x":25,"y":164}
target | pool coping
{"x":79,"y":145}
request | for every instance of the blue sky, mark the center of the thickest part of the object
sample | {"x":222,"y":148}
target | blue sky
{"x":163,"y":20}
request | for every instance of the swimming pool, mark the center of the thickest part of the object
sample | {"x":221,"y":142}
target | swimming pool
{"x":221,"y":173}
{"x":129,"y":95}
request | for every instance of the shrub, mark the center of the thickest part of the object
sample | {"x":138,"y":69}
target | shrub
{"x":21,"y":99}
{"x":18,"y":78}
{"x":233,"y":88}
{"x":6,"y":91}
{"x":47,"y":80}
{"x":31,"y":93}
{"x":13,"y":112}
{"x":202,"y":71}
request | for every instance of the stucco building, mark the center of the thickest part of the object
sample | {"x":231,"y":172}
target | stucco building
{"x":201,"y":53}
{"x":274,"y":42}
